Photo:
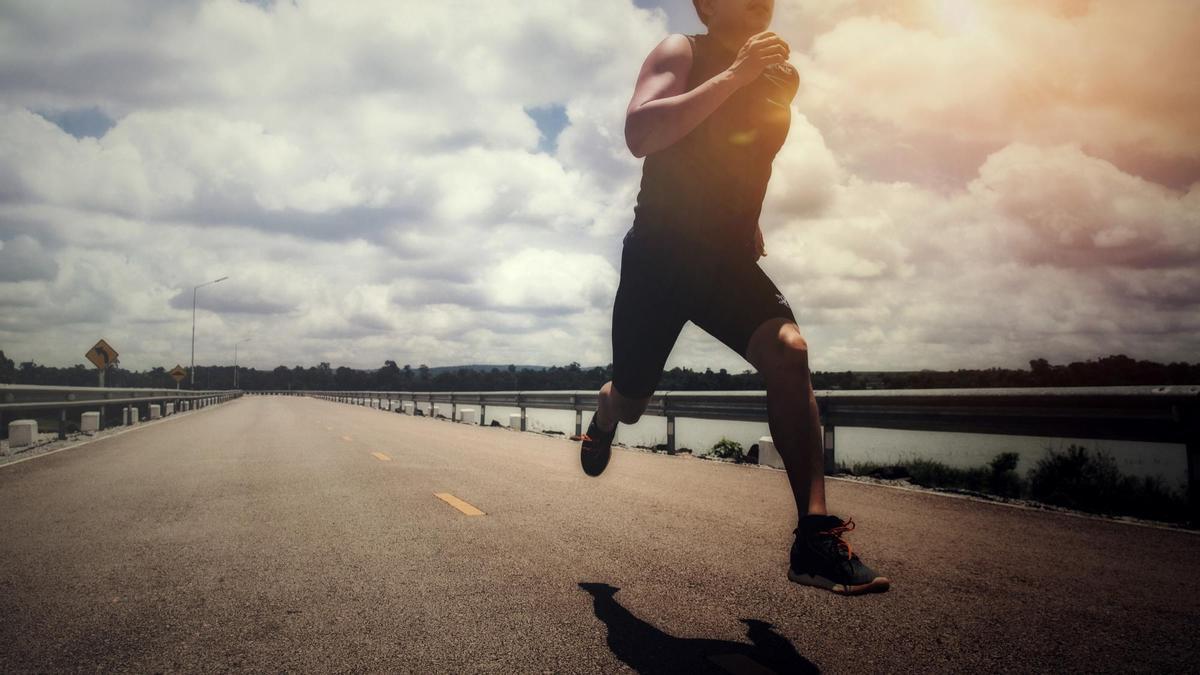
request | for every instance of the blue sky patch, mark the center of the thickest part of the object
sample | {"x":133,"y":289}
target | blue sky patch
{"x":80,"y":122}
{"x":551,"y":119}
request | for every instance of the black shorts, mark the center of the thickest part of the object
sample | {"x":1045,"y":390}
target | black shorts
{"x":663,"y":287}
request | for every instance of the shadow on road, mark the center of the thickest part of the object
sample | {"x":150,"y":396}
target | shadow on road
{"x":647,"y":649}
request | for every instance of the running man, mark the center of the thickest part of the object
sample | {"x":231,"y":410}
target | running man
{"x":709,"y":113}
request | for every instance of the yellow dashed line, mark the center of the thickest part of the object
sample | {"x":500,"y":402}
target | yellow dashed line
{"x":458,"y":504}
{"x":382,"y":457}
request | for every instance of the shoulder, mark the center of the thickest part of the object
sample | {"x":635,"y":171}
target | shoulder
{"x":674,"y":51}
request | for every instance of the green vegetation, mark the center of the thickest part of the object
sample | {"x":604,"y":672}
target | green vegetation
{"x":1110,"y":370}
{"x":1090,"y":482}
{"x":1074,"y":478}
{"x":727,"y":449}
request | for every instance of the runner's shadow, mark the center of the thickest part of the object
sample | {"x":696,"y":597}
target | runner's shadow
{"x":647,"y":649}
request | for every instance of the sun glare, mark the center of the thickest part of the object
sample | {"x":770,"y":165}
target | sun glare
{"x":959,"y":16}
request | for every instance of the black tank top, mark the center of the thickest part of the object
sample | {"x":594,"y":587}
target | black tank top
{"x":707,"y":189}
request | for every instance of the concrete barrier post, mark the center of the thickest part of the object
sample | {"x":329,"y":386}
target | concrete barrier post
{"x":768,"y":455}
{"x":155,"y":411}
{"x":434,"y":410}
{"x":1190,"y":418}
{"x":22,"y":433}
{"x":670,"y":433}
{"x":125,"y":416}
{"x":170,"y":408}
{"x":89,"y":422}
{"x":578,"y":422}
{"x":516,"y":421}
{"x":467,"y":415}
{"x":482,"y":414}
{"x":830,"y":456}
{"x":133,"y":414}
{"x":1193,"y":456}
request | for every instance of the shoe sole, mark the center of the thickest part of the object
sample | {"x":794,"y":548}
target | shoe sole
{"x":597,"y":465}
{"x":876,"y":585}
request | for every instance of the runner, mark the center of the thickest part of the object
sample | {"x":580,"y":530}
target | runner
{"x":709,"y":113}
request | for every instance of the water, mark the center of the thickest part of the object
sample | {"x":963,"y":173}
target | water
{"x":1168,"y":461}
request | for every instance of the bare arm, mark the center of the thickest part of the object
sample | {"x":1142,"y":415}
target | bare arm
{"x":661,"y":112}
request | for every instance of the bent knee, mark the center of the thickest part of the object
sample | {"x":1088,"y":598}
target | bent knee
{"x":627,"y":410}
{"x":788,"y":354}
{"x":630,"y":416}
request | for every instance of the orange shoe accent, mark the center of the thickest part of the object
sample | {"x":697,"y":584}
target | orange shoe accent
{"x":837,"y":532}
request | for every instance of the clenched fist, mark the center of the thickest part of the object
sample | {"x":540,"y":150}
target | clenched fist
{"x":760,"y":51}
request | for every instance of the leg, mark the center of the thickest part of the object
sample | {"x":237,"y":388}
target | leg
{"x":647,"y":319}
{"x":614,"y":407}
{"x":780,"y":353}
{"x":646,"y":322}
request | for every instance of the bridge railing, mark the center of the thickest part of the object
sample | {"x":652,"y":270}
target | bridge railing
{"x":21,"y":399}
{"x":1164,"y":414}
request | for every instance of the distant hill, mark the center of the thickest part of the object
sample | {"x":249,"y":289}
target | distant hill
{"x":479,"y":367}
{"x":1116,"y":369}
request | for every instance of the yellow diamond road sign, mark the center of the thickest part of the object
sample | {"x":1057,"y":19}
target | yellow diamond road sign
{"x":178,"y":373}
{"x":102,"y":355}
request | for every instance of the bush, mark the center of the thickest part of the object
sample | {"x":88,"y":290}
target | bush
{"x":929,"y":473}
{"x":877,"y":470}
{"x":727,"y":449}
{"x":1075,"y":479}
{"x":1000,"y":478}
{"x":1091,"y":482}
{"x":1004,"y":480}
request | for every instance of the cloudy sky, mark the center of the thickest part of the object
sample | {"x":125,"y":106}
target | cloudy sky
{"x":967,"y":183}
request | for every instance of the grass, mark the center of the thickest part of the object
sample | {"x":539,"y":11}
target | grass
{"x":727,"y":449}
{"x":1075,"y":478}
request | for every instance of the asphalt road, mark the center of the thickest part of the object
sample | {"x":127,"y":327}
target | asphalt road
{"x":266,"y":534}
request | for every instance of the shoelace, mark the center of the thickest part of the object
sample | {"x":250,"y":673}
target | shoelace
{"x":837,"y":532}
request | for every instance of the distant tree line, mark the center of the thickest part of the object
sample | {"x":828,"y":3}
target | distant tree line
{"x":1110,"y":370}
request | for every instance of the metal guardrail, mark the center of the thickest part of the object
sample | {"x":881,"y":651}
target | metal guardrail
{"x":1164,"y":414}
{"x":19,"y":398}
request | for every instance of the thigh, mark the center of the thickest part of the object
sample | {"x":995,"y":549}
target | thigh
{"x":647,"y":319}
{"x":741,"y":298}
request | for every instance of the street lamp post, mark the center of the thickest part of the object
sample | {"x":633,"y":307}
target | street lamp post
{"x":193,"y":368}
{"x":235,"y":346}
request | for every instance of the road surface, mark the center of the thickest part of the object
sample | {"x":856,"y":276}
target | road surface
{"x":278,"y":533}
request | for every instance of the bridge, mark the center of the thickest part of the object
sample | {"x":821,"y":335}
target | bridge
{"x":301,"y":533}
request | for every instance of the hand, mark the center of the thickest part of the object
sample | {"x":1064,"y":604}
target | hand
{"x":760,"y":51}
{"x":760,"y":246}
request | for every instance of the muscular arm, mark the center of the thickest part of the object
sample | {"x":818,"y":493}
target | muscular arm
{"x":661,"y":112}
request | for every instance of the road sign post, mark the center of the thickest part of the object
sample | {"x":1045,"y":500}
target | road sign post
{"x":179,"y":374}
{"x":103,"y":356}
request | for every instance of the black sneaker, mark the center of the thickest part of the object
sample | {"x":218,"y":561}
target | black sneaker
{"x":821,"y":558}
{"x":596,"y":448}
